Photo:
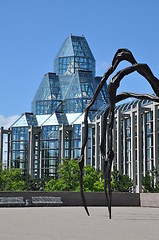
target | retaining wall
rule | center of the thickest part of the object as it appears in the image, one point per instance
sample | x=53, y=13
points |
x=67, y=199
x=149, y=199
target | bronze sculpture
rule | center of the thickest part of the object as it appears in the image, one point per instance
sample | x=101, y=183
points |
x=142, y=69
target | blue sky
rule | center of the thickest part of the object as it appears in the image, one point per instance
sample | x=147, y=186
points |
x=32, y=31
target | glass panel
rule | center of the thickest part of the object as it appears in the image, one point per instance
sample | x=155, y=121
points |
x=19, y=148
x=74, y=54
x=50, y=151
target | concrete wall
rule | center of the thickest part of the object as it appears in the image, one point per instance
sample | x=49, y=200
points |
x=72, y=198
x=149, y=199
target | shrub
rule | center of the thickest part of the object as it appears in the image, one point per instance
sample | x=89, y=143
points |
x=121, y=183
x=149, y=181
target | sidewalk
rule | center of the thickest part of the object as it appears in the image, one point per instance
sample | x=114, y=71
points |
x=71, y=223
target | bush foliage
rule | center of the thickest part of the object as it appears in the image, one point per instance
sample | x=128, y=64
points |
x=150, y=182
x=68, y=180
x=13, y=180
x=121, y=183
x=93, y=181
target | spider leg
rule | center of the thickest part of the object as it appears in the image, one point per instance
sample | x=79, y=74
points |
x=81, y=189
x=121, y=54
x=145, y=71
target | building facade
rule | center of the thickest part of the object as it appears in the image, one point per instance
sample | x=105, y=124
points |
x=38, y=141
x=136, y=139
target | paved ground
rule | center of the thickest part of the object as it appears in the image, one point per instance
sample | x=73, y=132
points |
x=71, y=223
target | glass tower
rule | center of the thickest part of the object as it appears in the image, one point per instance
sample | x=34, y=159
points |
x=73, y=84
x=74, y=54
x=39, y=140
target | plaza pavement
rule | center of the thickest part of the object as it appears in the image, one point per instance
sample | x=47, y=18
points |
x=71, y=223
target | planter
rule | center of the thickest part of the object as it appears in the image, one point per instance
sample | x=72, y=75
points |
x=149, y=199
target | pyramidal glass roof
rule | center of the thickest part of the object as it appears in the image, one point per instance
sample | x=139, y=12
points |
x=27, y=119
x=68, y=93
x=42, y=118
x=72, y=117
x=73, y=84
x=60, y=118
x=21, y=122
x=52, y=120
x=74, y=54
x=48, y=96
x=80, y=119
x=66, y=49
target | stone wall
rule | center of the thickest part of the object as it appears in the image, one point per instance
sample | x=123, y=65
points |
x=66, y=199
x=149, y=199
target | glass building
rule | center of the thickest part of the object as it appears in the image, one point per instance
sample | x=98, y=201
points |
x=39, y=140
x=136, y=139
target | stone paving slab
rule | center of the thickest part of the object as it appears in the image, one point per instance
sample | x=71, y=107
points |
x=71, y=223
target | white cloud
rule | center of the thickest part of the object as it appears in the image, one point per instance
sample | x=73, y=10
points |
x=6, y=122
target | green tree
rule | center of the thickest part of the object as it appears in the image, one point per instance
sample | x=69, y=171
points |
x=14, y=180
x=34, y=184
x=68, y=179
x=99, y=186
x=92, y=179
x=149, y=181
x=11, y=180
x=121, y=183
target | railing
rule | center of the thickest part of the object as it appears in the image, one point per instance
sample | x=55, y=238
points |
x=46, y=200
x=11, y=200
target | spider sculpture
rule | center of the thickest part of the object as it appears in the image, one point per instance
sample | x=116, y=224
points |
x=107, y=157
